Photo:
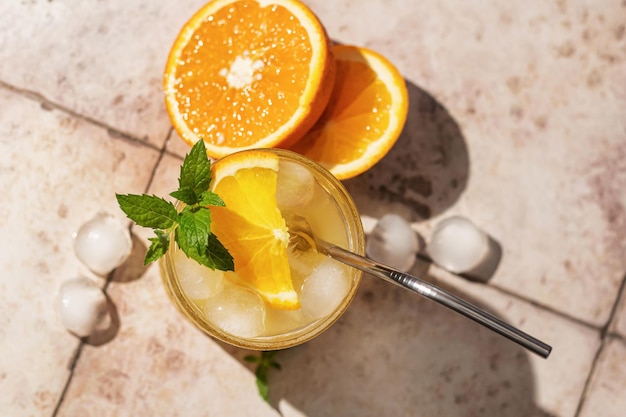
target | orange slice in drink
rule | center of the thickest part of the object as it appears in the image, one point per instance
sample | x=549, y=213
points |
x=251, y=226
x=365, y=115
x=248, y=74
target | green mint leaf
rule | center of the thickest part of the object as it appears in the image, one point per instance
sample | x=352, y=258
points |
x=148, y=210
x=195, y=239
x=264, y=363
x=264, y=390
x=195, y=172
x=194, y=228
x=208, y=198
x=186, y=195
x=216, y=256
x=159, y=246
x=219, y=256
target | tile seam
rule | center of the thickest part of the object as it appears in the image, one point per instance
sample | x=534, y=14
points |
x=68, y=381
x=79, y=348
x=535, y=303
x=605, y=335
x=51, y=105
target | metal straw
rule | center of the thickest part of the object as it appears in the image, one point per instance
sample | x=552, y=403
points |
x=436, y=294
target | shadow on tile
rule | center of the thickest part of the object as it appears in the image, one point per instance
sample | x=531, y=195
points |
x=107, y=332
x=484, y=270
x=133, y=268
x=426, y=170
x=395, y=353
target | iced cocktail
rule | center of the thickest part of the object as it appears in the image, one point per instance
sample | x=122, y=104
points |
x=282, y=292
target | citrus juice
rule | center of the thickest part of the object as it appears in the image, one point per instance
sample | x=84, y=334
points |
x=289, y=201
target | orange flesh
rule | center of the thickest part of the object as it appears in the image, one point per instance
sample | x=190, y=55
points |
x=350, y=110
x=267, y=63
x=253, y=230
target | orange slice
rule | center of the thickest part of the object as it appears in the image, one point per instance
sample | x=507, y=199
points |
x=365, y=115
x=248, y=74
x=251, y=226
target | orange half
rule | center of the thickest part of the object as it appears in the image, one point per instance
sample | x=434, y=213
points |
x=248, y=74
x=365, y=115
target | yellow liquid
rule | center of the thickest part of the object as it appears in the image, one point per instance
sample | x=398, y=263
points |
x=328, y=209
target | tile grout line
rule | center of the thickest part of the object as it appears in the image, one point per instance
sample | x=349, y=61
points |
x=81, y=344
x=545, y=307
x=47, y=104
x=552, y=310
x=77, y=353
x=162, y=152
x=72, y=368
x=51, y=105
x=605, y=334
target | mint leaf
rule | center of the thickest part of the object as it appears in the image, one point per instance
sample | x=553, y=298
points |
x=218, y=255
x=159, y=246
x=192, y=226
x=265, y=362
x=263, y=388
x=195, y=173
x=195, y=227
x=148, y=210
x=185, y=195
x=214, y=256
x=208, y=198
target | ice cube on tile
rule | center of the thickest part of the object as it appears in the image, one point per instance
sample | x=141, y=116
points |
x=295, y=187
x=393, y=242
x=325, y=288
x=198, y=282
x=237, y=310
x=102, y=243
x=369, y=223
x=458, y=245
x=81, y=306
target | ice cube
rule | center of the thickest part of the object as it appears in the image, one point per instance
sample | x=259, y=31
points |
x=198, y=282
x=295, y=186
x=301, y=264
x=393, y=242
x=325, y=288
x=458, y=245
x=237, y=311
x=103, y=243
x=281, y=321
x=81, y=306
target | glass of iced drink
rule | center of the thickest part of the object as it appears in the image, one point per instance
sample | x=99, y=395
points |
x=225, y=305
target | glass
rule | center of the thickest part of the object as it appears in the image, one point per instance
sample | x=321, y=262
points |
x=332, y=215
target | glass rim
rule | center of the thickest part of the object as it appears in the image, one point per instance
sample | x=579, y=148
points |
x=356, y=243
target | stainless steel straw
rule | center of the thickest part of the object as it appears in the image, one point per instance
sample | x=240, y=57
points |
x=436, y=294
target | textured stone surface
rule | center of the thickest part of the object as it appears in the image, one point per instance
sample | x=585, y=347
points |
x=618, y=324
x=516, y=121
x=103, y=60
x=56, y=172
x=605, y=395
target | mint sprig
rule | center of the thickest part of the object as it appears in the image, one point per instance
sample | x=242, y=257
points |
x=192, y=226
x=264, y=363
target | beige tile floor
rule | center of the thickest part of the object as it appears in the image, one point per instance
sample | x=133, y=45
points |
x=516, y=122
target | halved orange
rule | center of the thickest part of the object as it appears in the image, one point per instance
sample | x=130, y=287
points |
x=248, y=74
x=251, y=226
x=365, y=115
